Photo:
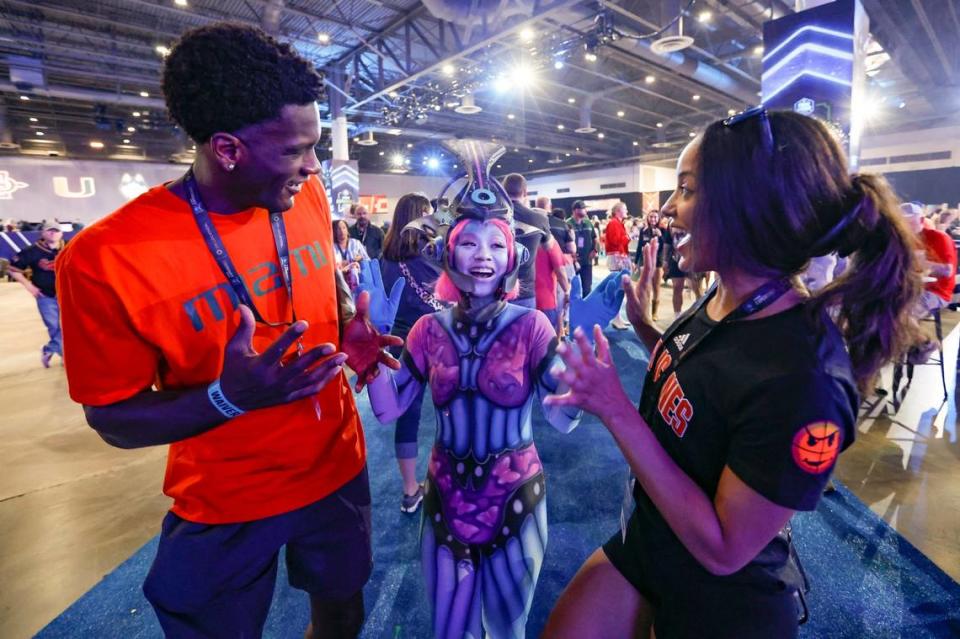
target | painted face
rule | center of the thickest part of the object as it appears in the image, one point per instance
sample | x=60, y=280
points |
x=680, y=206
x=481, y=251
x=279, y=157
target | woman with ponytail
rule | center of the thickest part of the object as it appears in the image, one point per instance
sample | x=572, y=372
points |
x=751, y=394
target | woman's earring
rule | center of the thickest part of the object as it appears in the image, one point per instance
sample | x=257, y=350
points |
x=230, y=167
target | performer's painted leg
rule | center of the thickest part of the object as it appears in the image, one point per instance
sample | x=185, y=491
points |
x=509, y=576
x=453, y=588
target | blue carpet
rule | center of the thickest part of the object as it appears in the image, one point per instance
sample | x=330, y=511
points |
x=867, y=581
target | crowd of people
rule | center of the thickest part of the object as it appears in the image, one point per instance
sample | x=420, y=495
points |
x=229, y=338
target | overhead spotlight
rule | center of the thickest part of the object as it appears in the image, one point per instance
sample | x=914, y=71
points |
x=144, y=94
x=34, y=120
x=516, y=150
x=40, y=134
x=704, y=16
x=731, y=111
x=409, y=145
x=659, y=125
x=380, y=153
x=407, y=161
x=393, y=94
x=126, y=140
x=902, y=104
x=558, y=64
x=398, y=160
x=601, y=135
x=571, y=100
x=501, y=83
x=530, y=161
x=367, y=139
x=162, y=49
x=696, y=97
x=135, y=114
x=635, y=143
x=693, y=134
x=131, y=129
x=452, y=105
x=650, y=79
x=560, y=127
x=526, y=34
x=758, y=50
x=25, y=98
x=394, y=131
x=96, y=144
x=433, y=164
x=567, y=154
x=620, y=114
x=180, y=3
x=590, y=56
x=323, y=38
x=522, y=76
x=437, y=107
x=447, y=69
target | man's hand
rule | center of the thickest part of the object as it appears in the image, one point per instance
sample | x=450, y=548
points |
x=364, y=345
x=256, y=380
x=383, y=308
x=33, y=290
x=599, y=307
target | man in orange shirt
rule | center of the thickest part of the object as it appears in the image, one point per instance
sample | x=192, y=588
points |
x=178, y=312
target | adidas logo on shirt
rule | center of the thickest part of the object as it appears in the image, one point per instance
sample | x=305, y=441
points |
x=680, y=341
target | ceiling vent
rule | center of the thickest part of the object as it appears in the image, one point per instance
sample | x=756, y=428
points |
x=671, y=42
x=367, y=139
x=468, y=106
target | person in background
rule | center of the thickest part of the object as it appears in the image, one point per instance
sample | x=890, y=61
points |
x=402, y=259
x=616, y=243
x=348, y=253
x=566, y=238
x=550, y=272
x=39, y=259
x=368, y=233
x=516, y=187
x=751, y=397
x=939, y=261
x=648, y=232
x=241, y=377
x=586, y=236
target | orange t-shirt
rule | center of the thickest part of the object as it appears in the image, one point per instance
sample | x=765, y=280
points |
x=144, y=303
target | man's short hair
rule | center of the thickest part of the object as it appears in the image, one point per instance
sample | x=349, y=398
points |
x=515, y=185
x=223, y=77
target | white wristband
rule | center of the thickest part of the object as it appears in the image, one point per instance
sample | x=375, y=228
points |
x=220, y=401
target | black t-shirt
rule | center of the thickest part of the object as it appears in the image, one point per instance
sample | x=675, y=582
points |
x=646, y=235
x=371, y=238
x=773, y=398
x=563, y=234
x=39, y=259
x=532, y=242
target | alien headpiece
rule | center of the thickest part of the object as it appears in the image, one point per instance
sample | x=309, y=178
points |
x=481, y=198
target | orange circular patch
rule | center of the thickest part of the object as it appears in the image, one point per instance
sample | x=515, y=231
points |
x=816, y=446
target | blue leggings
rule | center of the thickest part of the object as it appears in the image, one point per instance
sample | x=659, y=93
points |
x=405, y=433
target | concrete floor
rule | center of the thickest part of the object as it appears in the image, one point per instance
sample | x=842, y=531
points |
x=72, y=508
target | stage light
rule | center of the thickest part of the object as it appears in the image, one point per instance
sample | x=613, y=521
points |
x=659, y=125
x=180, y=3
x=590, y=56
x=393, y=94
x=25, y=98
x=696, y=97
x=131, y=129
x=731, y=111
x=869, y=110
x=409, y=145
x=704, y=16
x=529, y=161
x=693, y=134
x=398, y=160
x=433, y=164
x=560, y=127
x=567, y=154
x=571, y=100
x=526, y=34
x=447, y=69
x=902, y=104
x=558, y=64
x=635, y=143
x=144, y=94
x=323, y=38
x=501, y=84
x=163, y=50
x=126, y=140
x=135, y=114
x=758, y=50
x=620, y=114
x=34, y=120
x=650, y=79
x=40, y=134
x=96, y=144
x=601, y=135
x=523, y=76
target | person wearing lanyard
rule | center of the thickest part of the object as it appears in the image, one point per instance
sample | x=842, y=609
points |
x=751, y=395
x=215, y=328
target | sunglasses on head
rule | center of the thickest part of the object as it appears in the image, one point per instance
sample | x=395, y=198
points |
x=754, y=112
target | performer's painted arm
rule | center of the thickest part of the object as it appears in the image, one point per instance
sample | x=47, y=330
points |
x=543, y=347
x=392, y=392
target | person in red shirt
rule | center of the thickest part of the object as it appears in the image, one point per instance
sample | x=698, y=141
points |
x=940, y=255
x=616, y=243
x=178, y=311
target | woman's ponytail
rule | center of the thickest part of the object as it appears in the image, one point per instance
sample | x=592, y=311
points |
x=873, y=300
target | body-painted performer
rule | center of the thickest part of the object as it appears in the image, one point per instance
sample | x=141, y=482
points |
x=486, y=361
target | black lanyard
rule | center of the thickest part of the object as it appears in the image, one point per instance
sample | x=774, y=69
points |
x=219, y=252
x=760, y=299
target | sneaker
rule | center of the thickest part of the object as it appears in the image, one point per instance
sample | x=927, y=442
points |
x=619, y=325
x=45, y=358
x=411, y=503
